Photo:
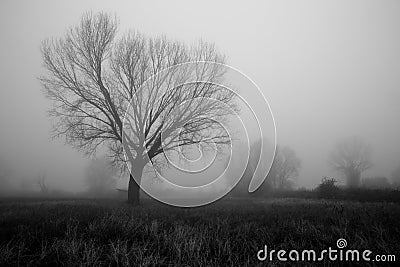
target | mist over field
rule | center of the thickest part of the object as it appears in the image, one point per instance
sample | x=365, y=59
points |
x=328, y=70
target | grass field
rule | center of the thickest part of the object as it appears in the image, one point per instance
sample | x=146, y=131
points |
x=226, y=233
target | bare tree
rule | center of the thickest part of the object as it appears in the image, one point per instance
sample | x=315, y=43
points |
x=351, y=157
x=94, y=79
x=285, y=168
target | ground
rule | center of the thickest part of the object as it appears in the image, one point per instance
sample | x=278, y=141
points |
x=227, y=233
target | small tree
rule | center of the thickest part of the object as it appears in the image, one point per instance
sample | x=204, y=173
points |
x=351, y=157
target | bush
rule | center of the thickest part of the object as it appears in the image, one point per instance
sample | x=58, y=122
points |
x=328, y=188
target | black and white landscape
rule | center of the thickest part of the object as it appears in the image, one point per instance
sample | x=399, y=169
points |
x=208, y=133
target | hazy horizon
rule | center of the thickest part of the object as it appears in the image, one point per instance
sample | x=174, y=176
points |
x=328, y=70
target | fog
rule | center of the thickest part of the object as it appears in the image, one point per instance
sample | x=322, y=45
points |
x=328, y=70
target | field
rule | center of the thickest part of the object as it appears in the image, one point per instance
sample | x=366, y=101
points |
x=227, y=233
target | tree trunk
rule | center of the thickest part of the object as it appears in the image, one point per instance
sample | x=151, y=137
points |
x=134, y=185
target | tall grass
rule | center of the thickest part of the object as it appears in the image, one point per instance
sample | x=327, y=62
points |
x=227, y=233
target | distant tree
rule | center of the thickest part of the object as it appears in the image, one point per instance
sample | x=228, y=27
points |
x=285, y=168
x=351, y=157
x=376, y=183
x=93, y=78
x=100, y=177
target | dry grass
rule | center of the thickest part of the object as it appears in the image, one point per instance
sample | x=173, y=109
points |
x=227, y=233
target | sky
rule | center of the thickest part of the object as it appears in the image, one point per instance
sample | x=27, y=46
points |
x=329, y=69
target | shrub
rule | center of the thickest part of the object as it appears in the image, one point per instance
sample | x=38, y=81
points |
x=328, y=188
